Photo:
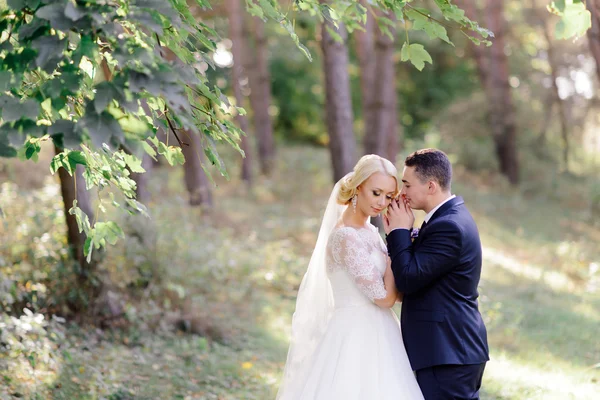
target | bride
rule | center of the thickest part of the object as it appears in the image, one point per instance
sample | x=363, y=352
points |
x=346, y=343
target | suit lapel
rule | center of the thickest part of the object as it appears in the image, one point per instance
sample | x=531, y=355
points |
x=439, y=212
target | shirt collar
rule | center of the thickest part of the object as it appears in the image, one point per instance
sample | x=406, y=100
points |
x=430, y=213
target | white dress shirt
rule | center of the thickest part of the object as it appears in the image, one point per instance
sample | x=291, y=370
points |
x=430, y=213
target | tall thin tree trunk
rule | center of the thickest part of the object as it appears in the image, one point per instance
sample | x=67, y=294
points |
x=542, y=139
x=73, y=188
x=365, y=52
x=593, y=33
x=562, y=112
x=195, y=178
x=338, y=100
x=478, y=52
x=238, y=74
x=260, y=94
x=502, y=112
x=385, y=102
x=394, y=143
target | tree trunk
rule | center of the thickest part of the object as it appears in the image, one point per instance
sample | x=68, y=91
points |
x=478, y=52
x=394, y=144
x=593, y=33
x=564, y=126
x=73, y=188
x=260, y=94
x=196, y=181
x=385, y=101
x=365, y=52
x=338, y=105
x=502, y=112
x=238, y=74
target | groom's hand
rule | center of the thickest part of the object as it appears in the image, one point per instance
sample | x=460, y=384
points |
x=399, y=215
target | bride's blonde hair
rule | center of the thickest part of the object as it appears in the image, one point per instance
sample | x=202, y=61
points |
x=364, y=168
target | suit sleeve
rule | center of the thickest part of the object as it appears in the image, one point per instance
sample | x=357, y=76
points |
x=437, y=254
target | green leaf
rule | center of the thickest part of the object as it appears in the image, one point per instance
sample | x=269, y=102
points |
x=134, y=163
x=433, y=29
x=5, y=78
x=336, y=36
x=575, y=21
x=172, y=154
x=37, y=27
x=50, y=49
x=417, y=14
x=88, y=248
x=73, y=12
x=107, y=232
x=70, y=138
x=149, y=150
x=5, y=148
x=453, y=13
x=86, y=48
x=148, y=20
x=61, y=160
x=417, y=55
x=32, y=148
x=83, y=221
x=13, y=110
x=76, y=157
x=104, y=94
x=132, y=124
x=55, y=13
x=101, y=127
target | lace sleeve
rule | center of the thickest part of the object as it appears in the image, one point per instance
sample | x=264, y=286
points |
x=350, y=252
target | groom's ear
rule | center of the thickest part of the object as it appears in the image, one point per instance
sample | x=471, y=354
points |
x=432, y=187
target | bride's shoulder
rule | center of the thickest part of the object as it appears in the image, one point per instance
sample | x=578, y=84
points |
x=345, y=233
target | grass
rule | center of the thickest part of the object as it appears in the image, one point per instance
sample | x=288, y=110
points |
x=237, y=269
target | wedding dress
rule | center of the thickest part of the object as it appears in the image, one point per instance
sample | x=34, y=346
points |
x=344, y=346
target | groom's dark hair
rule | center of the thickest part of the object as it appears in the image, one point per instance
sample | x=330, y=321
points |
x=431, y=164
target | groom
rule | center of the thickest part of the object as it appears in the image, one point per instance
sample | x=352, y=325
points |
x=443, y=331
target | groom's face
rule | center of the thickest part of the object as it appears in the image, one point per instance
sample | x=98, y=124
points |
x=413, y=189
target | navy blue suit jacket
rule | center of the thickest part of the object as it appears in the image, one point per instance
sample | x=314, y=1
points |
x=438, y=274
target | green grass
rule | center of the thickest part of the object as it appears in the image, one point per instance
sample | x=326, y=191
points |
x=238, y=268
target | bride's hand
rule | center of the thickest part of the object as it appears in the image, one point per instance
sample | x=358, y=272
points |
x=409, y=211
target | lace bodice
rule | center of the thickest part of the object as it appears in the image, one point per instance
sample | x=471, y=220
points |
x=356, y=260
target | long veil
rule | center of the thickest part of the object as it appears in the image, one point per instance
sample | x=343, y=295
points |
x=314, y=306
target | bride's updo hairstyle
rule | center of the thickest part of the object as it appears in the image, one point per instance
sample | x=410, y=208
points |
x=364, y=168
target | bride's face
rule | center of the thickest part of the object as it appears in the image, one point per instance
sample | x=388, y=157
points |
x=376, y=193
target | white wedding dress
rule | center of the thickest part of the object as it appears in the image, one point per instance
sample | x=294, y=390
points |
x=359, y=354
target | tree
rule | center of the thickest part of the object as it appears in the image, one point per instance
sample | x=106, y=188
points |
x=196, y=180
x=375, y=50
x=73, y=191
x=76, y=73
x=385, y=97
x=365, y=52
x=260, y=94
x=502, y=115
x=562, y=111
x=56, y=56
x=238, y=74
x=492, y=68
x=338, y=104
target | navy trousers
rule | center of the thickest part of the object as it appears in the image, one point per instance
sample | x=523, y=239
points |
x=451, y=382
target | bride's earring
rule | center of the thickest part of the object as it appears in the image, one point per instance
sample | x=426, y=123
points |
x=354, y=200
